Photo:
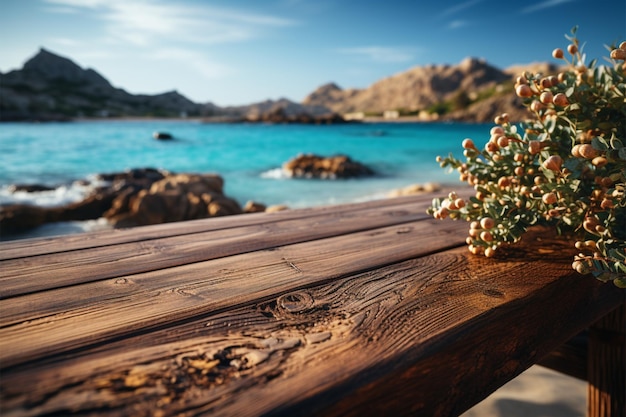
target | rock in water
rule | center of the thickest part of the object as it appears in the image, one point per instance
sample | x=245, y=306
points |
x=314, y=166
x=29, y=188
x=162, y=136
x=16, y=218
x=134, y=198
x=176, y=197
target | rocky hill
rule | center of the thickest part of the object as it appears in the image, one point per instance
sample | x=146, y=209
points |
x=473, y=90
x=280, y=111
x=415, y=89
x=50, y=87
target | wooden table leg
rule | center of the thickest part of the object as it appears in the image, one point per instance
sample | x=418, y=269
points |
x=606, y=395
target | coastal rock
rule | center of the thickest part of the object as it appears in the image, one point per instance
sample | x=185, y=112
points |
x=162, y=136
x=414, y=189
x=133, y=198
x=90, y=208
x=174, y=198
x=16, y=218
x=254, y=207
x=286, y=111
x=29, y=188
x=314, y=166
x=139, y=176
x=281, y=111
x=276, y=208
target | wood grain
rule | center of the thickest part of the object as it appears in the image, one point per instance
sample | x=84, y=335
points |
x=373, y=310
x=606, y=369
x=55, y=270
x=47, y=245
x=120, y=306
x=411, y=338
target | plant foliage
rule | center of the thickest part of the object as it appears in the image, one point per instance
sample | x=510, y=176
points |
x=566, y=167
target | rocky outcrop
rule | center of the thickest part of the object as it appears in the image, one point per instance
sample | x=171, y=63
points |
x=47, y=66
x=545, y=68
x=504, y=101
x=314, y=166
x=484, y=111
x=414, y=189
x=51, y=87
x=333, y=97
x=176, y=197
x=471, y=91
x=16, y=218
x=280, y=111
x=134, y=198
x=162, y=136
x=412, y=90
x=280, y=116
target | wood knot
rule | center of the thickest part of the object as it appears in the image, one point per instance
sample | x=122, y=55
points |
x=295, y=302
x=489, y=292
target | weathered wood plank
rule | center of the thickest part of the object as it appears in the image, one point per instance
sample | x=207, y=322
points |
x=37, y=273
x=41, y=246
x=412, y=338
x=120, y=306
x=606, y=360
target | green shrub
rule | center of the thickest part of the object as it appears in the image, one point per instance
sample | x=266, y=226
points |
x=565, y=168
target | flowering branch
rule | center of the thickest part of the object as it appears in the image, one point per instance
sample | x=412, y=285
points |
x=565, y=168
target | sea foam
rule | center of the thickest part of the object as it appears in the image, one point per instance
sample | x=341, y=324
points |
x=276, y=174
x=59, y=196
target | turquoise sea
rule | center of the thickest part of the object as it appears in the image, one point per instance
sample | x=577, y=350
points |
x=248, y=156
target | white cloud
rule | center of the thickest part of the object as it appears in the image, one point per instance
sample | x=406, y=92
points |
x=460, y=7
x=163, y=37
x=146, y=22
x=544, y=5
x=458, y=23
x=61, y=10
x=76, y=3
x=455, y=24
x=380, y=53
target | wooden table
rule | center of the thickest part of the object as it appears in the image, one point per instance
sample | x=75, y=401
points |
x=352, y=310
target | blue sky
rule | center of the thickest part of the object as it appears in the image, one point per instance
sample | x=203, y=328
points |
x=233, y=52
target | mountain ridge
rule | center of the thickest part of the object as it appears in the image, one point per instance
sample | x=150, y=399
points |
x=416, y=88
x=52, y=87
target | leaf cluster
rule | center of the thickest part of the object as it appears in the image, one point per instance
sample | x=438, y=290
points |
x=565, y=167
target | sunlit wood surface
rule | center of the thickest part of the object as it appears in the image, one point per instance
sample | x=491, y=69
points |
x=352, y=310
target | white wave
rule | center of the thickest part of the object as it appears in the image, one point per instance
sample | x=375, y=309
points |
x=283, y=174
x=276, y=174
x=62, y=195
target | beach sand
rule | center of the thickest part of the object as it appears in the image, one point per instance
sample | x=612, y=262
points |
x=538, y=392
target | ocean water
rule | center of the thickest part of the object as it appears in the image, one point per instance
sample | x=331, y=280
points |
x=248, y=156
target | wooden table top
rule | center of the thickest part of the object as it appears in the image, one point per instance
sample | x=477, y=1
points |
x=360, y=309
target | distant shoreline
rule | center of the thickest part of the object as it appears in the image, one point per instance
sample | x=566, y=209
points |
x=223, y=120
